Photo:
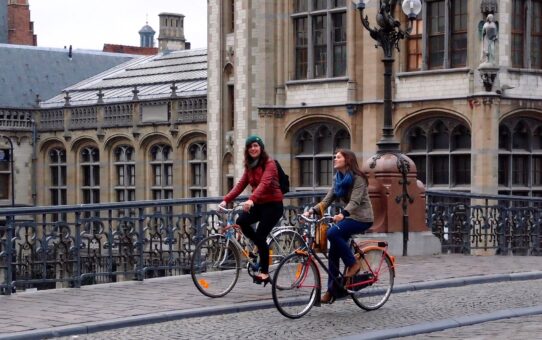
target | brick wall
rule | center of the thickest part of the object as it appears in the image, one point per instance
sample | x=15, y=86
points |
x=20, y=28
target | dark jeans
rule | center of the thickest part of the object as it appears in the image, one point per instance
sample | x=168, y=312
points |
x=339, y=247
x=267, y=214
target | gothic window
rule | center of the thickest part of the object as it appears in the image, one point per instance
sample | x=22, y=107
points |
x=319, y=38
x=445, y=22
x=315, y=146
x=5, y=173
x=90, y=169
x=520, y=157
x=124, y=164
x=440, y=148
x=526, y=46
x=58, y=179
x=162, y=171
x=198, y=169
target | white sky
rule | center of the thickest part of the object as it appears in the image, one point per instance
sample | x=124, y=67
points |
x=89, y=24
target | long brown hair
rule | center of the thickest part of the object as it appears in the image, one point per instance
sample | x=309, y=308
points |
x=263, y=158
x=351, y=162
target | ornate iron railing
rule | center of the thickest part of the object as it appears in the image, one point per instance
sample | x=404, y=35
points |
x=70, y=246
x=504, y=225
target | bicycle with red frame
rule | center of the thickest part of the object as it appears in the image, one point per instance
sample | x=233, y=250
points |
x=296, y=284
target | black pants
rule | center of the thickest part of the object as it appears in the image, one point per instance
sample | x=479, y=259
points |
x=267, y=214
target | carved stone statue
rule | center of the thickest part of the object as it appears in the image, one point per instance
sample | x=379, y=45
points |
x=489, y=38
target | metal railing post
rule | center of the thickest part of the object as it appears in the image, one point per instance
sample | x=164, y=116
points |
x=140, y=244
x=10, y=234
x=77, y=249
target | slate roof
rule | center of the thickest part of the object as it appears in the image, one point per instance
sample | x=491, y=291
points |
x=26, y=71
x=152, y=75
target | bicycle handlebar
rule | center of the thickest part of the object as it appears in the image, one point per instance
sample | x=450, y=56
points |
x=326, y=218
x=228, y=211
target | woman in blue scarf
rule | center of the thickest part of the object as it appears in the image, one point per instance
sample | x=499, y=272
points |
x=350, y=187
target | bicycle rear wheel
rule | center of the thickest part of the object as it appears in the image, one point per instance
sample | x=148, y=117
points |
x=379, y=273
x=215, y=266
x=283, y=243
x=296, y=285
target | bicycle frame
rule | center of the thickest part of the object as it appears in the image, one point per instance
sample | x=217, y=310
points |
x=361, y=248
x=234, y=234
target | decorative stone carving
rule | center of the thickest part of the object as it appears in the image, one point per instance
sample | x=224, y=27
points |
x=489, y=7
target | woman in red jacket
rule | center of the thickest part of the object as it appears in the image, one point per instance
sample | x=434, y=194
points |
x=264, y=204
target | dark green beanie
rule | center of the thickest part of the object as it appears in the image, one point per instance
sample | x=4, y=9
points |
x=252, y=139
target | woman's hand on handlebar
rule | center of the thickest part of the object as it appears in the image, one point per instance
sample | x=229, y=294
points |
x=308, y=213
x=247, y=205
x=337, y=218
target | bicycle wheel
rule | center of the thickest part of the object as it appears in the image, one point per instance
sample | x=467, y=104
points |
x=215, y=266
x=296, y=285
x=283, y=243
x=379, y=270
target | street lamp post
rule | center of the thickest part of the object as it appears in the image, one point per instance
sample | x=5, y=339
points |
x=387, y=34
x=12, y=170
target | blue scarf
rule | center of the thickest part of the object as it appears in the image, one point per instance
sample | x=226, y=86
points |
x=342, y=183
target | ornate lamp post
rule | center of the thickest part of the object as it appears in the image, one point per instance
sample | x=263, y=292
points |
x=387, y=36
x=392, y=176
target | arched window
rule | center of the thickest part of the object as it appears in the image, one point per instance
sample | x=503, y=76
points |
x=315, y=146
x=90, y=170
x=444, y=159
x=198, y=169
x=125, y=173
x=162, y=171
x=58, y=187
x=520, y=157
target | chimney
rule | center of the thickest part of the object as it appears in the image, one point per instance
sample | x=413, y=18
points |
x=171, y=37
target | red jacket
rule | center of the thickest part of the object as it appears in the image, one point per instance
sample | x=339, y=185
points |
x=264, y=183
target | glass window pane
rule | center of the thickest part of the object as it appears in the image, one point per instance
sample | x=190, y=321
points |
x=306, y=172
x=4, y=186
x=339, y=44
x=319, y=25
x=421, y=166
x=537, y=170
x=325, y=172
x=461, y=166
x=440, y=169
x=301, y=48
x=319, y=4
x=520, y=170
x=300, y=5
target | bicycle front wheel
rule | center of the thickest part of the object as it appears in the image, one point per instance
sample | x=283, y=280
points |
x=215, y=266
x=283, y=243
x=379, y=274
x=296, y=285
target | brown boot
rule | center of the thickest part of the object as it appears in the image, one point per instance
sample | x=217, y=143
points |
x=326, y=298
x=353, y=269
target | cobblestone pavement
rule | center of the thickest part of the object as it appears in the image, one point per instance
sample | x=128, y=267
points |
x=109, y=302
x=344, y=318
x=528, y=327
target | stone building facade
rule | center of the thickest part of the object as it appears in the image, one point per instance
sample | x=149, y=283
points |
x=306, y=76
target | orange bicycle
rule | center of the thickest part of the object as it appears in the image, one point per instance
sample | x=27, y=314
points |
x=296, y=284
